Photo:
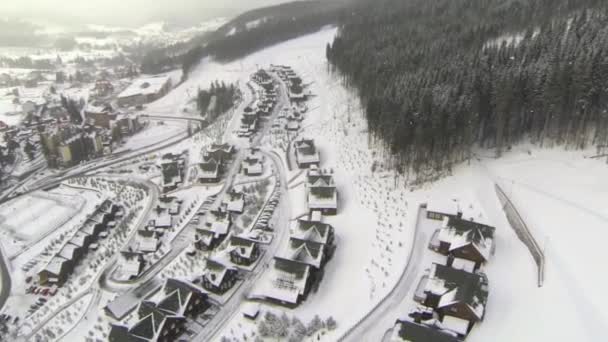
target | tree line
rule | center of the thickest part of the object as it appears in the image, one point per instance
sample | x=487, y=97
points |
x=218, y=99
x=261, y=28
x=438, y=78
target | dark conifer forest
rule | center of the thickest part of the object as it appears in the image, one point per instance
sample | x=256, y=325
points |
x=216, y=100
x=440, y=77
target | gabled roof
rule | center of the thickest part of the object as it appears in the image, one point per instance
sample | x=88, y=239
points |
x=219, y=270
x=294, y=268
x=307, y=252
x=460, y=287
x=173, y=303
x=56, y=265
x=145, y=328
x=69, y=251
x=312, y=231
x=460, y=233
x=216, y=221
x=79, y=238
x=244, y=247
x=183, y=287
x=225, y=147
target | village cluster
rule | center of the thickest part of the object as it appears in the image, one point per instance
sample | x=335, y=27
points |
x=218, y=202
x=452, y=294
x=232, y=230
x=72, y=113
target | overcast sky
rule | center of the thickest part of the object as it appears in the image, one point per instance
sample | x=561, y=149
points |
x=126, y=12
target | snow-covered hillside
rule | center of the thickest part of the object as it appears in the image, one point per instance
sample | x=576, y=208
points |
x=377, y=215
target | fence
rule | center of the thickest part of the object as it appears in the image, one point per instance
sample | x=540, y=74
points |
x=523, y=232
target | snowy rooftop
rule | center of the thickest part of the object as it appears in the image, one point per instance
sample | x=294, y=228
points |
x=459, y=233
x=457, y=286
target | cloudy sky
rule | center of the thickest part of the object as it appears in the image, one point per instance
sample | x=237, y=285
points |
x=126, y=12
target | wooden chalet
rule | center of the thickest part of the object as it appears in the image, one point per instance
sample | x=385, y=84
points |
x=218, y=278
x=243, y=251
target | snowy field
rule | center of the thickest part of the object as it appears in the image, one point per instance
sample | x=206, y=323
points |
x=36, y=214
x=561, y=195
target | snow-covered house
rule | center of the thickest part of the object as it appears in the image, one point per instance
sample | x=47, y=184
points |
x=306, y=252
x=209, y=170
x=213, y=228
x=314, y=231
x=243, y=251
x=234, y=201
x=147, y=244
x=82, y=240
x=71, y=252
x=458, y=297
x=252, y=165
x=144, y=90
x=132, y=264
x=192, y=301
x=406, y=331
x=291, y=282
x=154, y=325
x=464, y=239
x=172, y=168
x=55, y=272
x=306, y=153
x=218, y=278
x=322, y=193
x=221, y=152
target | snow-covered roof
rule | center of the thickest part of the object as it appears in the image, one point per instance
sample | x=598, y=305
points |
x=164, y=220
x=55, y=264
x=306, y=252
x=312, y=231
x=460, y=233
x=215, y=272
x=443, y=206
x=455, y=324
x=69, y=251
x=323, y=198
x=250, y=309
x=147, y=244
x=289, y=281
x=234, y=203
x=79, y=239
x=253, y=168
x=145, y=86
x=463, y=264
x=216, y=221
x=243, y=247
x=457, y=286
x=131, y=267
